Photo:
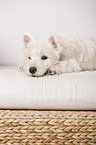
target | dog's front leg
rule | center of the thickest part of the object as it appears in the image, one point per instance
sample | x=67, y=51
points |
x=67, y=66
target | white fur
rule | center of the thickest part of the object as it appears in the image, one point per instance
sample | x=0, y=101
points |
x=64, y=54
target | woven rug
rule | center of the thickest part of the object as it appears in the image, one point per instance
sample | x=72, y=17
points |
x=47, y=127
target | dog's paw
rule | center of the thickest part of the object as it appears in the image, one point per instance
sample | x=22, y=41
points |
x=50, y=72
x=55, y=70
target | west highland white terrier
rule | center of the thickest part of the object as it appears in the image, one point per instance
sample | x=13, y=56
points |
x=58, y=55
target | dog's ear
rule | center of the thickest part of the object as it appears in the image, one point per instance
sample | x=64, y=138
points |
x=52, y=41
x=27, y=39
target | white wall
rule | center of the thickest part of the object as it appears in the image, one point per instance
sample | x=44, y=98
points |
x=42, y=18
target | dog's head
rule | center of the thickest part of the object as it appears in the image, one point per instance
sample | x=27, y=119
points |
x=40, y=56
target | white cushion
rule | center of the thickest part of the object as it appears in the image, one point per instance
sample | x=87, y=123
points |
x=65, y=91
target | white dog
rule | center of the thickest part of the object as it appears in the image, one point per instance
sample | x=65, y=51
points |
x=58, y=55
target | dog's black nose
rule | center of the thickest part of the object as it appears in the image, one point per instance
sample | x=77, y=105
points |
x=32, y=70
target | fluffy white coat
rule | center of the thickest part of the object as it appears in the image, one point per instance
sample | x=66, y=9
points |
x=64, y=55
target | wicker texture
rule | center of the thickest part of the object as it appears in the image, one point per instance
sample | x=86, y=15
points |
x=47, y=127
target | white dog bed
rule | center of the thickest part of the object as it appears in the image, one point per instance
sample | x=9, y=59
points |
x=66, y=91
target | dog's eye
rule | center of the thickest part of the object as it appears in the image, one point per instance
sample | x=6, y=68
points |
x=44, y=57
x=29, y=57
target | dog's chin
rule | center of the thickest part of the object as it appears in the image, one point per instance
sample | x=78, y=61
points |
x=48, y=72
x=38, y=75
x=41, y=75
